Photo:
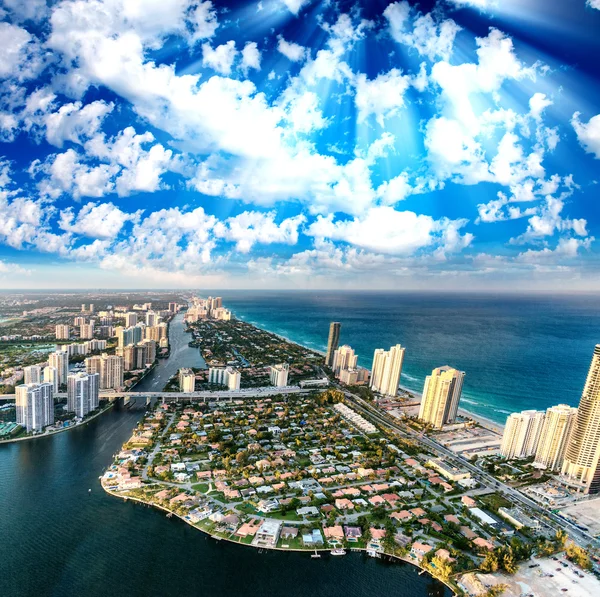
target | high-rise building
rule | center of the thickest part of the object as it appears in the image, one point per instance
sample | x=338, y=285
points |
x=344, y=358
x=173, y=307
x=83, y=309
x=91, y=307
x=79, y=321
x=225, y=376
x=187, y=381
x=110, y=369
x=581, y=466
x=354, y=377
x=150, y=351
x=34, y=406
x=387, y=368
x=83, y=393
x=556, y=432
x=333, y=342
x=152, y=318
x=129, y=335
x=51, y=377
x=63, y=332
x=279, y=375
x=60, y=360
x=86, y=331
x=32, y=374
x=521, y=434
x=131, y=319
x=441, y=395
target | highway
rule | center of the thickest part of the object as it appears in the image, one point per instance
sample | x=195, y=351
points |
x=480, y=475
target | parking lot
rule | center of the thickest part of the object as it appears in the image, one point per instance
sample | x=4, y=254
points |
x=549, y=579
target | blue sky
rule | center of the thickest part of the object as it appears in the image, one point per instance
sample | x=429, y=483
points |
x=300, y=144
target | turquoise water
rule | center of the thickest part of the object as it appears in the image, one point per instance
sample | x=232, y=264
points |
x=518, y=352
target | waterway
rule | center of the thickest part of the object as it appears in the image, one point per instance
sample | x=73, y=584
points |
x=58, y=539
x=181, y=355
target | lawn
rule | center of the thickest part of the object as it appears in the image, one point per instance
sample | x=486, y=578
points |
x=201, y=487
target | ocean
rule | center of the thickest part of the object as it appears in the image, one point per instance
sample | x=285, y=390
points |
x=518, y=351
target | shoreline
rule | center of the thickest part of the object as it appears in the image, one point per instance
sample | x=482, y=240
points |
x=275, y=549
x=57, y=431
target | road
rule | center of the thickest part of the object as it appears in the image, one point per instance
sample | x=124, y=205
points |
x=483, y=476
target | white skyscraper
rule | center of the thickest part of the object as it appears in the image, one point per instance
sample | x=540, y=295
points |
x=34, y=406
x=32, y=374
x=51, y=377
x=63, y=332
x=555, y=436
x=152, y=318
x=581, y=466
x=86, y=331
x=187, y=381
x=60, y=360
x=82, y=393
x=131, y=319
x=225, y=376
x=387, y=368
x=279, y=375
x=522, y=433
x=344, y=358
x=441, y=395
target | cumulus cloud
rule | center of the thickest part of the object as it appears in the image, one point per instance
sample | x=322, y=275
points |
x=588, y=133
x=294, y=6
x=75, y=122
x=593, y=4
x=421, y=32
x=292, y=51
x=95, y=220
x=250, y=57
x=382, y=96
x=21, y=56
x=386, y=230
x=249, y=228
x=220, y=58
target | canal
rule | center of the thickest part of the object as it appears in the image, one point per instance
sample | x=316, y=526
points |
x=59, y=539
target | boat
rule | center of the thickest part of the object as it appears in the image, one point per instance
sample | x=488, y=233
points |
x=338, y=552
x=89, y=491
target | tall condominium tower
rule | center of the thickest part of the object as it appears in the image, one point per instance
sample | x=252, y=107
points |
x=51, y=377
x=522, y=434
x=82, y=393
x=279, y=375
x=34, y=406
x=556, y=432
x=86, y=331
x=441, y=395
x=32, y=374
x=332, y=342
x=581, y=464
x=131, y=319
x=109, y=367
x=387, y=367
x=344, y=358
x=63, y=332
x=60, y=360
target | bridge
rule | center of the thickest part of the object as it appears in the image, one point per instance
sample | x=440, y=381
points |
x=188, y=396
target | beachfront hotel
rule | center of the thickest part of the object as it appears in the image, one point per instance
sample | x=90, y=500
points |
x=387, y=368
x=34, y=406
x=441, y=395
x=581, y=467
x=554, y=438
x=522, y=434
x=332, y=342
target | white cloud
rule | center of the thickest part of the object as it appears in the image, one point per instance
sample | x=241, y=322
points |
x=422, y=32
x=294, y=6
x=292, y=51
x=95, y=220
x=474, y=3
x=250, y=57
x=537, y=104
x=567, y=248
x=220, y=58
x=588, y=134
x=302, y=110
x=20, y=54
x=386, y=230
x=249, y=228
x=203, y=22
x=594, y=4
x=74, y=122
x=382, y=96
